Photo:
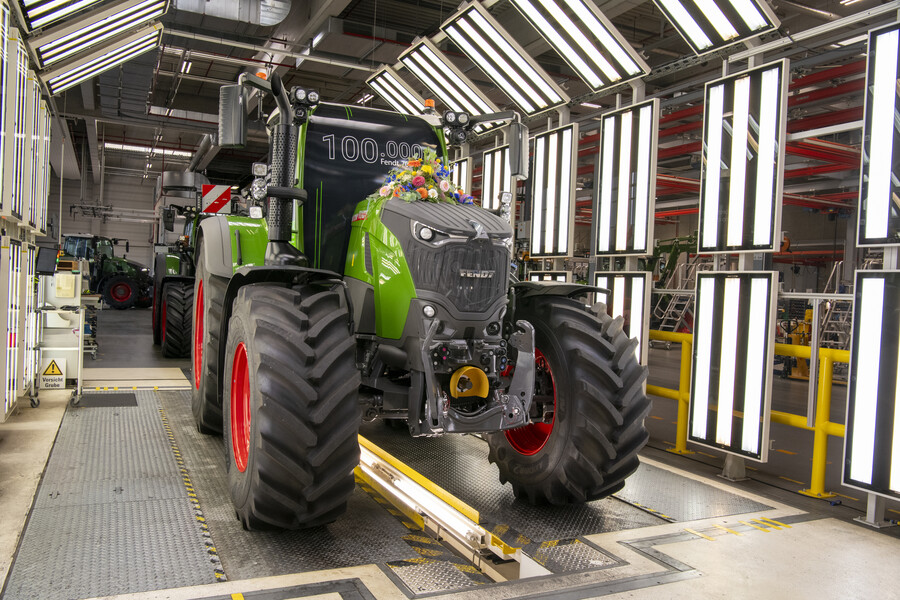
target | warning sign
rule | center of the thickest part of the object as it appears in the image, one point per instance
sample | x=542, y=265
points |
x=53, y=374
x=216, y=198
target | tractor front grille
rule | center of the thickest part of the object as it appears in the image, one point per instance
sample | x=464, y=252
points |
x=471, y=274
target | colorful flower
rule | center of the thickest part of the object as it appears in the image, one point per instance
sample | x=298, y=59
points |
x=418, y=181
x=427, y=170
x=422, y=192
x=432, y=193
x=445, y=185
x=384, y=191
x=414, y=162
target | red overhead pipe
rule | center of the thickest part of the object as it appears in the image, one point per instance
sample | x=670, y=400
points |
x=828, y=92
x=681, y=114
x=817, y=170
x=829, y=118
x=852, y=68
x=679, y=150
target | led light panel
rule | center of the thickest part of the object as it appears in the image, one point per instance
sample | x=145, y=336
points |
x=731, y=385
x=495, y=177
x=743, y=161
x=30, y=317
x=91, y=65
x=560, y=276
x=879, y=207
x=708, y=25
x=503, y=60
x=585, y=39
x=41, y=13
x=16, y=146
x=553, y=192
x=10, y=295
x=627, y=175
x=105, y=24
x=32, y=152
x=393, y=90
x=6, y=93
x=461, y=176
x=629, y=297
x=454, y=89
x=872, y=441
x=44, y=183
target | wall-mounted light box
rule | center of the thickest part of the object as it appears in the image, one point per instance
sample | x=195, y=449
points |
x=558, y=276
x=17, y=145
x=872, y=441
x=553, y=192
x=72, y=38
x=879, y=206
x=743, y=160
x=393, y=90
x=626, y=171
x=629, y=296
x=73, y=73
x=461, y=175
x=454, y=89
x=585, y=39
x=495, y=176
x=706, y=25
x=5, y=95
x=731, y=383
x=503, y=60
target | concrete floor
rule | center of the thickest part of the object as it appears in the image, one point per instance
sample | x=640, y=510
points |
x=823, y=554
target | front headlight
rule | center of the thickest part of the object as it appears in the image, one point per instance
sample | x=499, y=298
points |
x=258, y=189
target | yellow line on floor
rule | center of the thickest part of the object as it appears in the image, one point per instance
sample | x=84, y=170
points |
x=668, y=443
x=712, y=539
x=766, y=523
x=752, y=468
x=237, y=596
x=894, y=511
x=753, y=526
x=791, y=480
x=655, y=417
x=707, y=454
x=847, y=497
x=785, y=451
x=723, y=528
x=774, y=522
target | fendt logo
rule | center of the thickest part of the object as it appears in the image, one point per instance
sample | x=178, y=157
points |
x=476, y=274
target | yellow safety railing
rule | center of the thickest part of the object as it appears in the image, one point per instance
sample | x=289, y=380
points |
x=822, y=427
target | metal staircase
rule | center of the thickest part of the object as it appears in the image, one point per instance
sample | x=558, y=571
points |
x=837, y=324
x=675, y=309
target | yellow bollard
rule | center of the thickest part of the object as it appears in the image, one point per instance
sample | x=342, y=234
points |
x=684, y=397
x=820, y=440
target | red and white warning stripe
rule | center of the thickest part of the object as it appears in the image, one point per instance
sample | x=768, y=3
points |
x=216, y=198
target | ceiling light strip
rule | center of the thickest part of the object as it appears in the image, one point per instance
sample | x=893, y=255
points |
x=507, y=64
x=390, y=87
x=707, y=25
x=72, y=41
x=585, y=39
x=40, y=14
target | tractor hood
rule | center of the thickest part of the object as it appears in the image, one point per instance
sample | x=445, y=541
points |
x=453, y=220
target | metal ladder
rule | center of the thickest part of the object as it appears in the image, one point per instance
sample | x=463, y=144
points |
x=681, y=302
x=838, y=321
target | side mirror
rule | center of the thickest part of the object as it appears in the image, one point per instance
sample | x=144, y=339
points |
x=232, y=116
x=168, y=217
x=518, y=150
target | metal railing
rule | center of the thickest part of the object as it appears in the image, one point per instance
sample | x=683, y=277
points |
x=822, y=427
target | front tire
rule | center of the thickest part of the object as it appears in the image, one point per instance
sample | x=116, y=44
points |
x=589, y=378
x=177, y=309
x=209, y=295
x=120, y=292
x=291, y=407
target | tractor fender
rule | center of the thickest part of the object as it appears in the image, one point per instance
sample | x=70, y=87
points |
x=282, y=276
x=528, y=289
x=216, y=246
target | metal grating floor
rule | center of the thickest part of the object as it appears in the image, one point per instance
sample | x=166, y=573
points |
x=112, y=515
x=366, y=534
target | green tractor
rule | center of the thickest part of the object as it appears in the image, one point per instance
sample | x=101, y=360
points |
x=173, y=287
x=332, y=311
x=122, y=283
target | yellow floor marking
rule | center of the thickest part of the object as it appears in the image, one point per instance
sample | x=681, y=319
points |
x=785, y=451
x=894, y=511
x=773, y=521
x=723, y=528
x=674, y=423
x=237, y=596
x=752, y=468
x=706, y=454
x=766, y=523
x=668, y=443
x=655, y=417
x=712, y=539
x=754, y=526
x=791, y=480
x=847, y=497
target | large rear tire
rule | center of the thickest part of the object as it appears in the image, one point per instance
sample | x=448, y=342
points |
x=291, y=407
x=120, y=292
x=177, y=310
x=209, y=295
x=159, y=268
x=589, y=385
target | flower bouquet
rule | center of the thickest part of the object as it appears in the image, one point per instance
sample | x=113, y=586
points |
x=424, y=179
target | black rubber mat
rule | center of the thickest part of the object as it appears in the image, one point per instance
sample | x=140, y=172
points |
x=107, y=400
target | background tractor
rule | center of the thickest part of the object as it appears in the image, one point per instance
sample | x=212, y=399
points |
x=123, y=283
x=333, y=310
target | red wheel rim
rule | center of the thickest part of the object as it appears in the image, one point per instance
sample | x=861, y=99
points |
x=240, y=407
x=165, y=307
x=198, y=334
x=121, y=292
x=529, y=440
